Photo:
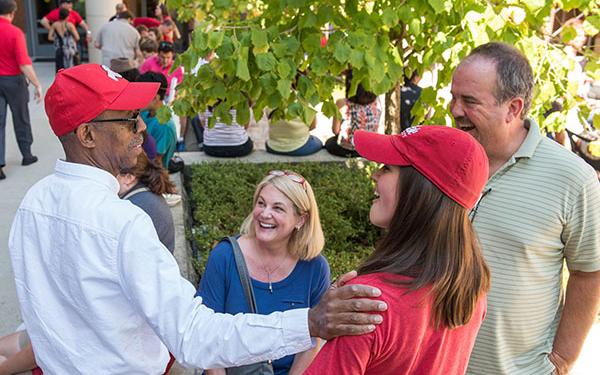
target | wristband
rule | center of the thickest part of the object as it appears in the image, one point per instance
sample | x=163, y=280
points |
x=89, y=31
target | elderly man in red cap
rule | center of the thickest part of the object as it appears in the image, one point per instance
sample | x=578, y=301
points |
x=99, y=293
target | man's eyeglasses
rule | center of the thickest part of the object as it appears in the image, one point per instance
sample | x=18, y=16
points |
x=133, y=120
x=291, y=175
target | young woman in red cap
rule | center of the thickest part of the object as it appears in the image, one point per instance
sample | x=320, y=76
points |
x=428, y=265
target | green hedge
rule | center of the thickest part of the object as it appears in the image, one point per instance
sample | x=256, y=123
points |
x=221, y=197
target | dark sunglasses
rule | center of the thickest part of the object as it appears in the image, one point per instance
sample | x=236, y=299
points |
x=133, y=120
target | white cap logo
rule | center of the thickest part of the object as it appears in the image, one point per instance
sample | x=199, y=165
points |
x=409, y=131
x=112, y=75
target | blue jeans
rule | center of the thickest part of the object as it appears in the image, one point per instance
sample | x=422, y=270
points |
x=312, y=145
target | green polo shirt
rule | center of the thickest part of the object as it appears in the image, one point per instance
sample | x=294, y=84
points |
x=540, y=208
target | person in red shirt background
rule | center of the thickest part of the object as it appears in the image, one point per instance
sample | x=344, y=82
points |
x=74, y=17
x=429, y=265
x=15, y=70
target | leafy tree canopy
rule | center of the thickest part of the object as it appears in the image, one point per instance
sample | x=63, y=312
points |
x=269, y=53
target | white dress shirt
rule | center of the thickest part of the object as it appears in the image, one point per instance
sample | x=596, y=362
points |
x=100, y=294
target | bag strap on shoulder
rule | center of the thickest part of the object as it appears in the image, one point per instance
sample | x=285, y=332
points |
x=244, y=274
x=135, y=191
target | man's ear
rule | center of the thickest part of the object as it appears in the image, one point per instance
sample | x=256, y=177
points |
x=86, y=136
x=515, y=108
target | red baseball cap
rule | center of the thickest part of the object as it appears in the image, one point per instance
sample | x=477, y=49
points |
x=79, y=94
x=450, y=158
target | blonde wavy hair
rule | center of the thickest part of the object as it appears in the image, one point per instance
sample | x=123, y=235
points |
x=307, y=242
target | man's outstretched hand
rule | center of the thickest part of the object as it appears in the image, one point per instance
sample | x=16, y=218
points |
x=342, y=311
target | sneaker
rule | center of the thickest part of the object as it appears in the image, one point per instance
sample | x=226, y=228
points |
x=172, y=199
x=180, y=146
x=2, y=175
x=29, y=160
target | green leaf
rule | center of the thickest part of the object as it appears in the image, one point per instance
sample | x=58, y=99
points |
x=569, y=33
x=390, y=17
x=307, y=20
x=259, y=38
x=318, y=66
x=268, y=83
x=308, y=114
x=266, y=61
x=305, y=87
x=342, y=52
x=437, y=5
x=312, y=42
x=284, y=88
x=200, y=40
x=295, y=110
x=356, y=59
x=215, y=39
x=163, y=114
x=329, y=109
x=596, y=121
x=283, y=68
x=241, y=70
x=292, y=44
x=242, y=113
x=415, y=26
x=594, y=20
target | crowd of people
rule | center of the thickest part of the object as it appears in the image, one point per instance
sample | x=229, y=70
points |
x=477, y=223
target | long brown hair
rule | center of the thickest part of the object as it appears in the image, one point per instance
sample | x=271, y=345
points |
x=152, y=175
x=431, y=239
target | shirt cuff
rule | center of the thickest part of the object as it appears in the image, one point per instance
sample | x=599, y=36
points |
x=295, y=330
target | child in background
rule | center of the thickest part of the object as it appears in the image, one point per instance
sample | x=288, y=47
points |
x=164, y=134
x=149, y=48
x=360, y=112
x=225, y=140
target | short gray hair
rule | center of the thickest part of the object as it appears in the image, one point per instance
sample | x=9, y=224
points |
x=514, y=76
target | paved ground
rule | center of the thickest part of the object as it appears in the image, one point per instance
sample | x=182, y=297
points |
x=18, y=180
x=48, y=149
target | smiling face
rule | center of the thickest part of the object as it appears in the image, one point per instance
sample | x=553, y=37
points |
x=386, y=192
x=275, y=216
x=474, y=106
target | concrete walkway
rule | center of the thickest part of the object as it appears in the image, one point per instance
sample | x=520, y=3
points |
x=48, y=149
x=18, y=180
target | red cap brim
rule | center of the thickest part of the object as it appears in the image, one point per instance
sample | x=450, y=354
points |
x=378, y=148
x=136, y=95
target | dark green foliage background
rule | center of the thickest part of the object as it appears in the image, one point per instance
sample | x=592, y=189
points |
x=221, y=197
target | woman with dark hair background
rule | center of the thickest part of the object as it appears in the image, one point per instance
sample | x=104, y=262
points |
x=65, y=37
x=360, y=111
x=428, y=265
x=144, y=185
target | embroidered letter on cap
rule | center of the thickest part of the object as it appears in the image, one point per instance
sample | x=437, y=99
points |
x=112, y=75
x=409, y=131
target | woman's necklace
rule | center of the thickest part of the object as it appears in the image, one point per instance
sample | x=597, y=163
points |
x=269, y=273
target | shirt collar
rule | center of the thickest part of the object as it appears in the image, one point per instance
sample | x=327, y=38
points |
x=530, y=143
x=2, y=19
x=88, y=172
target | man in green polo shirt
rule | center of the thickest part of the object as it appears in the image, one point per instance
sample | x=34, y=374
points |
x=540, y=207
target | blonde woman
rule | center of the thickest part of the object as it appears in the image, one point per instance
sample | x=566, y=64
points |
x=281, y=243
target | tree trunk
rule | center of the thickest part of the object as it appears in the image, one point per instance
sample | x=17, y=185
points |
x=392, y=110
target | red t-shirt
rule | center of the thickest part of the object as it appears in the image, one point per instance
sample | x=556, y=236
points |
x=13, y=49
x=74, y=17
x=405, y=343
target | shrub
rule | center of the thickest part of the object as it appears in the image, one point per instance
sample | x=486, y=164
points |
x=221, y=197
